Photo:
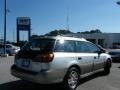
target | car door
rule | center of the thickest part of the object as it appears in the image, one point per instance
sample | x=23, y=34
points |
x=98, y=58
x=84, y=57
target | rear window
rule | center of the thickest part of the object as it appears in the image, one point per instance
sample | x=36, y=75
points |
x=42, y=45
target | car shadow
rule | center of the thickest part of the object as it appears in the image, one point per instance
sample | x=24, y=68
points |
x=90, y=77
x=115, y=61
x=24, y=85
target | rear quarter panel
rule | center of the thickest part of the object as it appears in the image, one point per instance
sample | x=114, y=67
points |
x=61, y=62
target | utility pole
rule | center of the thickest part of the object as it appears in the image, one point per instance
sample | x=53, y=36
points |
x=67, y=26
x=5, y=27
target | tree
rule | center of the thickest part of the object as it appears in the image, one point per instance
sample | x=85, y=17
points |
x=95, y=31
x=33, y=36
x=58, y=32
x=91, y=31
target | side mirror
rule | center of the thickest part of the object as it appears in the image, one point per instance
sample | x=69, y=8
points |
x=102, y=50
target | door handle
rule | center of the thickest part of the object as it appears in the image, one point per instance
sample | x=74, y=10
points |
x=79, y=58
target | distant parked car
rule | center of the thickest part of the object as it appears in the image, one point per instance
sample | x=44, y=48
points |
x=115, y=54
x=10, y=49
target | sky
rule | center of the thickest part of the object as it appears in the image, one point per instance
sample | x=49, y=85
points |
x=49, y=15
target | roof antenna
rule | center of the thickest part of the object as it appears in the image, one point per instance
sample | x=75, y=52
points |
x=67, y=18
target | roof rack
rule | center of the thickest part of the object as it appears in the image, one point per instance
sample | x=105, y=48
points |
x=60, y=35
x=70, y=36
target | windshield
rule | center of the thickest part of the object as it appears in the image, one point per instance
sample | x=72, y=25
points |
x=42, y=45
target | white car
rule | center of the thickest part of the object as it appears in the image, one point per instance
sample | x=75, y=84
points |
x=47, y=60
x=10, y=49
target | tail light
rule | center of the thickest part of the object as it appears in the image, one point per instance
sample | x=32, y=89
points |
x=44, y=58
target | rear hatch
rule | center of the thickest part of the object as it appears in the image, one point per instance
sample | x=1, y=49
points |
x=35, y=55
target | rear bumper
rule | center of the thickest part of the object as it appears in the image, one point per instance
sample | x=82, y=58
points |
x=43, y=77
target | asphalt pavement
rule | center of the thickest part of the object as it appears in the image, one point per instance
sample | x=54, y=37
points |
x=96, y=81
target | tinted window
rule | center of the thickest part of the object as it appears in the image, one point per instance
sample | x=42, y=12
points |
x=86, y=47
x=65, y=46
x=82, y=47
x=93, y=48
x=43, y=45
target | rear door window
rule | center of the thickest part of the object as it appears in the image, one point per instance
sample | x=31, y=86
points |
x=65, y=46
x=82, y=47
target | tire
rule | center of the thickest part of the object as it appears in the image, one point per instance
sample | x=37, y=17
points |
x=71, y=79
x=107, y=67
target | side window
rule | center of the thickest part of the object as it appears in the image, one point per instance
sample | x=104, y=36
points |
x=93, y=48
x=82, y=47
x=86, y=47
x=8, y=46
x=65, y=46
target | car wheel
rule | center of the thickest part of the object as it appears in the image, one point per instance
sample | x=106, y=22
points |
x=107, y=67
x=71, y=79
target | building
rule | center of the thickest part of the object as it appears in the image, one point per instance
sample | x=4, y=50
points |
x=107, y=40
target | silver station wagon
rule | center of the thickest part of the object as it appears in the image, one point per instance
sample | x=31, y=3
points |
x=47, y=60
